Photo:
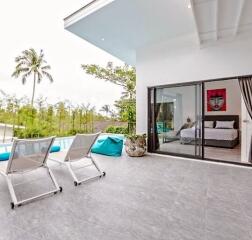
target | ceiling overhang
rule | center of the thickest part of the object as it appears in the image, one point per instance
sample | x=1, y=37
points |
x=121, y=27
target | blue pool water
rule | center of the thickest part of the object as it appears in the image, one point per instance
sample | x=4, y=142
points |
x=63, y=142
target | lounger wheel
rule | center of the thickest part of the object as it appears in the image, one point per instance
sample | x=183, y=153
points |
x=60, y=190
x=12, y=205
x=77, y=183
x=103, y=174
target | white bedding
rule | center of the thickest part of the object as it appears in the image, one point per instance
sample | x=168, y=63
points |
x=211, y=133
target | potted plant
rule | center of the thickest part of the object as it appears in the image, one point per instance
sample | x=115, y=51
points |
x=135, y=145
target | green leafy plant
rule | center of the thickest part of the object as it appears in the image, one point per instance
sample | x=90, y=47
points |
x=135, y=137
x=124, y=76
x=117, y=130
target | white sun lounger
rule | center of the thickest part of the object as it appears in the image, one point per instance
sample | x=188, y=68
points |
x=26, y=156
x=79, y=151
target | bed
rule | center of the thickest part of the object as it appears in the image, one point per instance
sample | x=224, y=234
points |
x=216, y=137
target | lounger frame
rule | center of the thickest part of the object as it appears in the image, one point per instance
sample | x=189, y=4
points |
x=67, y=161
x=9, y=172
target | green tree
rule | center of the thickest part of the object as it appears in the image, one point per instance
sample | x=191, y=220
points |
x=61, y=114
x=124, y=76
x=44, y=120
x=88, y=118
x=31, y=63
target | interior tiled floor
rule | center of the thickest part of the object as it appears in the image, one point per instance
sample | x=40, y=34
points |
x=149, y=198
x=217, y=153
x=225, y=154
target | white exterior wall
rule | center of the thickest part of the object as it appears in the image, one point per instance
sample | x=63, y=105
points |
x=184, y=61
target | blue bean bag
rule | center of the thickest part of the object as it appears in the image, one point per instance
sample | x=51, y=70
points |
x=108, y=145
x=4, y=156
x=55, y=149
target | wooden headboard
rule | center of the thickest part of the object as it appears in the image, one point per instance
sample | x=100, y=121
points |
x=223, y=118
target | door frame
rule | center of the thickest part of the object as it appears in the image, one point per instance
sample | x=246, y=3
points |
x=202, y=82
x=151, y=118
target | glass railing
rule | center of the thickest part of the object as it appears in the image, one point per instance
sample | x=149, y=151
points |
x=63, y=142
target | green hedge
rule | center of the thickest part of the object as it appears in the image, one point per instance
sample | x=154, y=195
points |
x=29, y=133
x=117, y=130
x=40, y=132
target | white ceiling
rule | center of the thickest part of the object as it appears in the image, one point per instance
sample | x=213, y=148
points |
x=126, y=25
x=218, y=19
x=122, y=26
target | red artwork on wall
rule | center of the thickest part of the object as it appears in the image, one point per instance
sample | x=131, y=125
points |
x=216, y=100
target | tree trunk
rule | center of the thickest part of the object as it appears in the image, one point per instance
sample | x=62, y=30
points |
x=59, y=123
x=33, y=91
x=80, y=115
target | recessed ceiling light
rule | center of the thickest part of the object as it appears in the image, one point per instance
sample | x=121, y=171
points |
x=189, y=6
x=103, y=39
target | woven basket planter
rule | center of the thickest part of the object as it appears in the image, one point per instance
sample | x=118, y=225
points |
x=135, y=146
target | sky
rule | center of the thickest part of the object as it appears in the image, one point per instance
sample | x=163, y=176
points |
x=39, y=24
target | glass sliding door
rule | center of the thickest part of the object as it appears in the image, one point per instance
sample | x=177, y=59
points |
x=175, y=120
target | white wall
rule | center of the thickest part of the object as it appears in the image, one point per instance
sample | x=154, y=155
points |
x=184, y=61
x=184, y=104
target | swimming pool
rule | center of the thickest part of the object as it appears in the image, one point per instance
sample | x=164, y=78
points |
x=63, y=142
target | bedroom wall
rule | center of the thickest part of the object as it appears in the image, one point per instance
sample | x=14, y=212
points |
x=177, y=61
x=233, y=97
x=184, y=107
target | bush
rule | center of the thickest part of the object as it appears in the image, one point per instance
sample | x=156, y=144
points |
x=72, y=132
x=31, y=132
x=117, y=130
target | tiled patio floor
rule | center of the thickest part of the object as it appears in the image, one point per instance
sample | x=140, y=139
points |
x=150, y=198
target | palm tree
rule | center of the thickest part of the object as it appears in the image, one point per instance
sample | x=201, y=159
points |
x=106, y=109
x=32, y=63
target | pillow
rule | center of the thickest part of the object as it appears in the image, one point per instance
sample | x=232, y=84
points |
x=55, y=149
x=4, y=156
x=209, y=124
x=225, y=124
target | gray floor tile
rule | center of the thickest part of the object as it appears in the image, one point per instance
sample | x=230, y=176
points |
x=227, y=227
x=184, y=230
x=222, y=235
x=158, y=198
x=230, y=207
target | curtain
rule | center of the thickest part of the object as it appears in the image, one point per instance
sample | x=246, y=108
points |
x=157, y=109
x=246, y=90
